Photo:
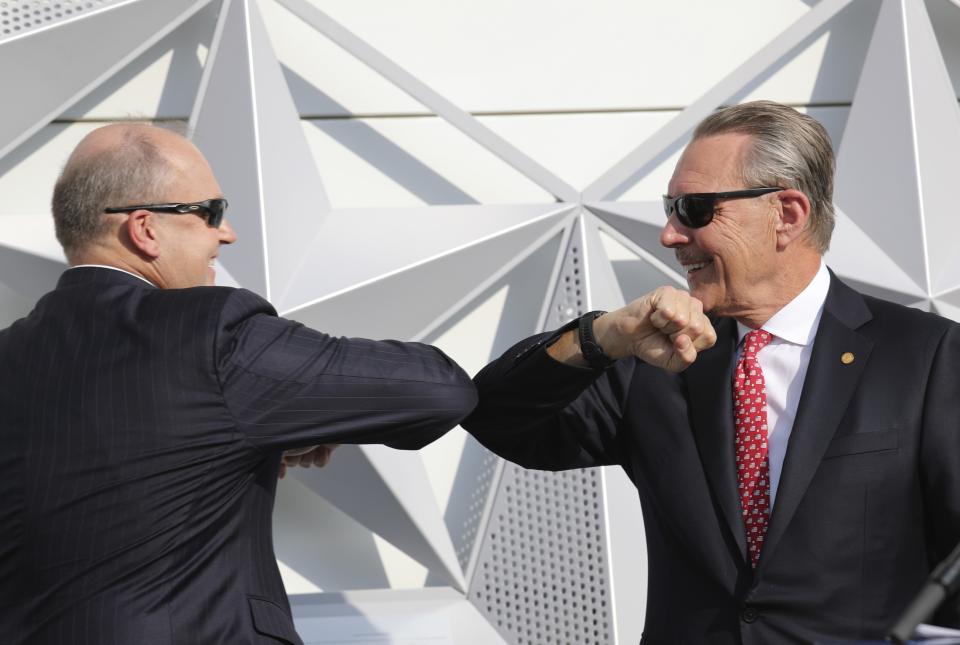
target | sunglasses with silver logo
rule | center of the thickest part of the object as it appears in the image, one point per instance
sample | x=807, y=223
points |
x=211, y=210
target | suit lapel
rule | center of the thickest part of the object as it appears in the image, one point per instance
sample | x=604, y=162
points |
x=711, y=415
x=827, y=389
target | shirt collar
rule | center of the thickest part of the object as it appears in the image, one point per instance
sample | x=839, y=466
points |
x=797, y=321
x=106, y=266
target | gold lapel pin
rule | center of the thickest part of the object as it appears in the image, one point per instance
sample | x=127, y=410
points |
x=846, y=358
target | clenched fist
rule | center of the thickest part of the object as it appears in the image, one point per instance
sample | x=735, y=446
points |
x=666, y=328
x=306, y=457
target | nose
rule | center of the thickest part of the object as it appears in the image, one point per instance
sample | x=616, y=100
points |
x=226, y=232
x=674, y=234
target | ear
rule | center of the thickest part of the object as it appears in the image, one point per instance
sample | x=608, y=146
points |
x=141, y=227
x=793, y=218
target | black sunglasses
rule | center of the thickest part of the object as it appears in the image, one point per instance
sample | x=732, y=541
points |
x=211, y=210
x=695, y=210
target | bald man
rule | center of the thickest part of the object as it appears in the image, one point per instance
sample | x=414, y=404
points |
x=145, y=412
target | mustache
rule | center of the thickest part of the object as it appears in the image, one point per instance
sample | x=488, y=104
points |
x=691, y=257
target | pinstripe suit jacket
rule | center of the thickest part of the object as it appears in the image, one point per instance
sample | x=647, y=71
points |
x=140, y=437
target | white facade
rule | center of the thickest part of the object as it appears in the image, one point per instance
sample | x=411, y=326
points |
x=451, y=160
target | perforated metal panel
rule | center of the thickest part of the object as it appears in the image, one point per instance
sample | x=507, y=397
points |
x=568, y=296
x=20, y=16
x=464, y=531
x=541, y=574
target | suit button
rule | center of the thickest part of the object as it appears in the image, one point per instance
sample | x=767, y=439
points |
x=749, y=614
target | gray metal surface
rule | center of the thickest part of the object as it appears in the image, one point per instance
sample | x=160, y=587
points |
x=258, y=152
x=134, y=26
x=542, y=575
x=388, y=492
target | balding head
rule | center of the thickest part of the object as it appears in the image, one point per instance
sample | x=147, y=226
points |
x=116, y=165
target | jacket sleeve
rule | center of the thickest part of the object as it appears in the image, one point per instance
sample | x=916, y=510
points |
x=540, y=413
x=288, y=386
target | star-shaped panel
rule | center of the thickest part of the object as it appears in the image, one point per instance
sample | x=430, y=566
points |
x=436, y=265
x=896, y=167
x=258, y=151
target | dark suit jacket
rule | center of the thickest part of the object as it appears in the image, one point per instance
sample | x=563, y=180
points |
x=869, y=496
x=140, y=438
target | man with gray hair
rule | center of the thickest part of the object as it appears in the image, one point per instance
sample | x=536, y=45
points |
x=800, y=477
x=144, y=414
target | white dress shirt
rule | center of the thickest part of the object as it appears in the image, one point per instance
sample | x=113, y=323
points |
x=784, y=363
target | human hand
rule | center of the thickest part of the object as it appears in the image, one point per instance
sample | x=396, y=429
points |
x=306, y=457
x=666, y=328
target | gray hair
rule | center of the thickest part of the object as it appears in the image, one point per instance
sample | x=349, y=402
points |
x=134, y=172
x=788, y=149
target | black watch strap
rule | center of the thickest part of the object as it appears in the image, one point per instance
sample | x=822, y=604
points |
x=589, y=347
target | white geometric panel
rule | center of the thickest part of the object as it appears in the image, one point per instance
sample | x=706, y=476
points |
x=542, y=573
x=642, y=223
x=424, y=273
x=475, y=468
x=51, y=83
x=302, y=520
x=385, y=307
x=28, y=274
x=637, y=272
x=258, y=151
x=397, y=240
x=602, y=289
x=937, y=131
x=948, y=305
x=627, y=556
x=387, y=491
x=854, y=254
x=420, y=91
x=615, y=181
x=910, y=170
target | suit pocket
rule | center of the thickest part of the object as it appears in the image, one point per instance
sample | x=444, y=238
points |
x=862, y=442
x=270, y=619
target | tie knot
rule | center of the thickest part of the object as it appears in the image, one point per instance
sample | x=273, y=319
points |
x=756, y=340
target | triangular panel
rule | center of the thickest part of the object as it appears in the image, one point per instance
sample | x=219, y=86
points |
x=627, y=553
x=398, y=239
x=586, y=279
x=259, y=153
x=13, y=305
x=937, y=128
x=50, y=69
x=855, y=255
x=641, y=222
x=439, y=105
x=603, y=290
x=656, y=148
x=949, y=310
x=27, y=274
x=403, y=304
x=568, y=300
x=636, y=275
x=303, y=520
x=477, y=467
x=877, y=181
x=388, y=492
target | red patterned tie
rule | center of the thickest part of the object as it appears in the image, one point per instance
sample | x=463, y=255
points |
x=750, y=419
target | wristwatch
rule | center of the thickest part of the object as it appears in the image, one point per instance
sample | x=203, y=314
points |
x=589, y=347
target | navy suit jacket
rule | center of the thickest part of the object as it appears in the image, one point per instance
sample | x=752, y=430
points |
x=868, y=500
x=140, y=438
